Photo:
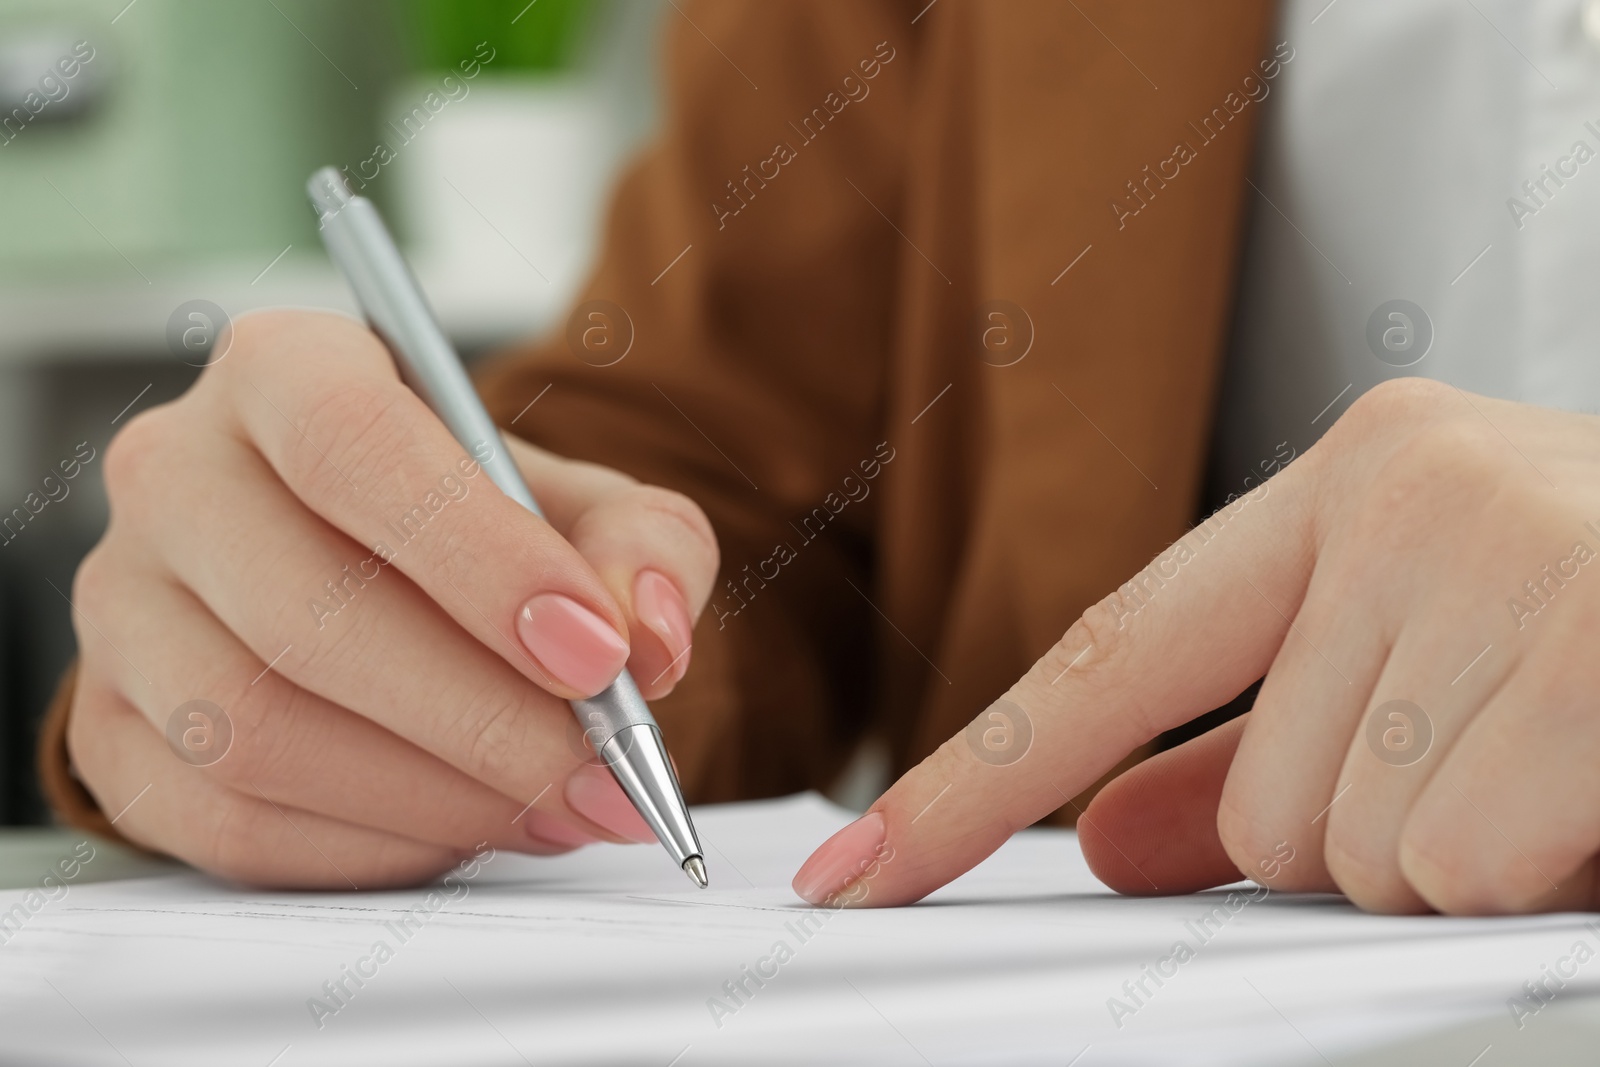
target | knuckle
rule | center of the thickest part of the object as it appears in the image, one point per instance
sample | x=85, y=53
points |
x=1366, y=870
x=232, y=847
x=260, y=336
x=1445, y=464
x=1099, y=634
x=1384, y=417
x=135, y=456
x=1395, y=400
x=1093, y=646
x=1444, y=451
x=269, y=737
x=1437, y=872
x=497, y=732
x=1241, y=836
x=674, y=507
x=103, y=591
x=336, y=648
x=1462, y=877
x=1259, y=849
x=361, y=431
x=250, y=352
x=94, y=581
x=1386, y=420
x=85, y=733
x=1088, y=657
x=452, y=550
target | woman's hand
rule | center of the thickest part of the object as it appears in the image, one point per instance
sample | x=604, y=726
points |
x=1421, y=591
x=299, y=545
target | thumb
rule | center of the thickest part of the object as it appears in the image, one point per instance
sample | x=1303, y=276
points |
x=1195, y=627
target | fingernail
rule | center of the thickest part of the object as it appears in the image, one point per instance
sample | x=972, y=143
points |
x=840, y=859
x=553, y=831
x=661, y=609
x=578, y=647
x=594, y=794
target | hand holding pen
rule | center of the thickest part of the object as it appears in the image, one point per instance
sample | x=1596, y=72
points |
x=372, y=715
x=616, y=721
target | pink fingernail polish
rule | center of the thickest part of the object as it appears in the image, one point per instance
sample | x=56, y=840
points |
x=661, y=609
x=551, y=830
x=841, y=859
x=577, y=647
x=594, y=794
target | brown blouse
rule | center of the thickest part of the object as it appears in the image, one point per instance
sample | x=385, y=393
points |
x=924, y=304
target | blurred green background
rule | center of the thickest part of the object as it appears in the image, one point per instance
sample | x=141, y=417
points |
x=169, y=166
x=441, y=32
x=198, y=120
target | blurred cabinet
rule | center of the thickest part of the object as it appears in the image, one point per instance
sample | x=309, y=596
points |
x=187, y=129
x=172, y=168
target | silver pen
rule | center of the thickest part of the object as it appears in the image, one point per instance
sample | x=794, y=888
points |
x=617, y=721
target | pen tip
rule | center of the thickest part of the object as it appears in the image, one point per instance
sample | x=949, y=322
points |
x=695, y=868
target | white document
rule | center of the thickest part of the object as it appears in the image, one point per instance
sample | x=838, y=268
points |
x=608, y=956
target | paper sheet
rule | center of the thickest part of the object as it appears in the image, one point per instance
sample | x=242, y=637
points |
x=607, y=956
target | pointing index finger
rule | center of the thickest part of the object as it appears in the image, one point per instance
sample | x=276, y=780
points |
x=1187, y=634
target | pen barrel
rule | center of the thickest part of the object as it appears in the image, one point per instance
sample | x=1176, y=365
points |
x=617, y=721
x=398, y=312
